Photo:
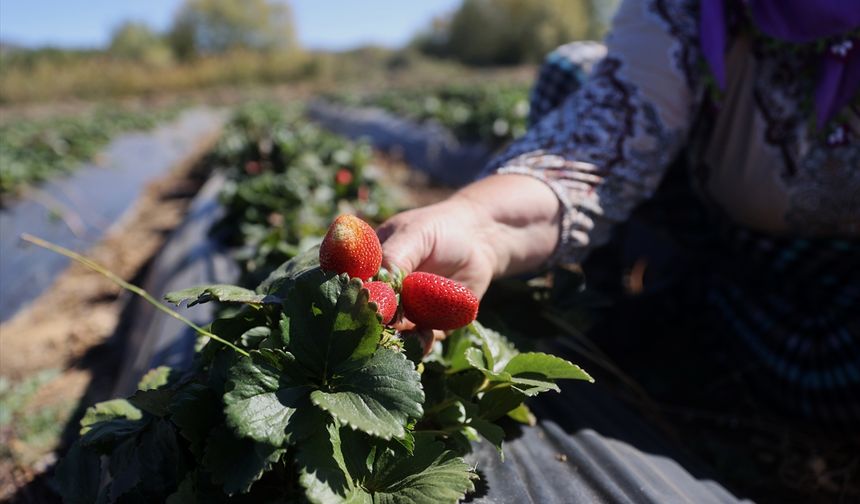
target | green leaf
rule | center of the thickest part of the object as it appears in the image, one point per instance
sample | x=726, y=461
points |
x=222, y=360
x=522, y=414
x=155, y=378
x=281, y=281
x=253, y=337
x=377, y=395
x=432, y=475
x=284, y=333
x=412, y=348
x=533, y=373
x=109, y=410
x=433, y=381
x=184, y=494
x=531, y=387
x=196, y=410
x=124, y=467
x=497, y=350
x=486, y=350
x=109, y=422
x=233, y=328
x=466, y=384
x=497, y=402
x=341, y=466
x=407, y=441
x=78, y=475
x=322, y=470
x=218, y=292
x=154, y=401
x=159, y=455
x=545, y=365
x=490, y=431
x=453, y=414
x=476, y=359
x=147, y=462
x=329, y=322
x=455, y=347
x=263, y=397
x=237, y=463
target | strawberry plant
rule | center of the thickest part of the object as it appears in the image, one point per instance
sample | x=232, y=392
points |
x=492, y=114
x=287, y=180
x=305, y=394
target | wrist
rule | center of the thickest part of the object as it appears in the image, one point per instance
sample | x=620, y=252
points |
x=516, y=217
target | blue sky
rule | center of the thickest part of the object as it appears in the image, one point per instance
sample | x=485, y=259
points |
x=321, y=24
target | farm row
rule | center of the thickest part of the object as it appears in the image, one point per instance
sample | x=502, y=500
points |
x=35, y=150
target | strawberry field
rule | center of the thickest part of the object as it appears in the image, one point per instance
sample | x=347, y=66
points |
x=35, y=150
x=204, y=203
x=301, y=379
x=318, y=378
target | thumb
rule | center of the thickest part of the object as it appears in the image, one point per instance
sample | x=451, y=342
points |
x=403, y=246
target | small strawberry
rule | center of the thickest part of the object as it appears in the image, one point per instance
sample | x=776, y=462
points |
x=436, y=302
x=386, y=300
x=253, y=168
x=343, y=177
x=351, y=246
x=363, y=193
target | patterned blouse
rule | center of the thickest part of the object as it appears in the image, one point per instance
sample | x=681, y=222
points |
x=790, y=190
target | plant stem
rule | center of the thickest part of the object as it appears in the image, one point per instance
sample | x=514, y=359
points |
x=127, y=286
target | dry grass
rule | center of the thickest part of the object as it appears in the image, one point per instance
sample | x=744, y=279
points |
x=96, y=76
x=100, y=76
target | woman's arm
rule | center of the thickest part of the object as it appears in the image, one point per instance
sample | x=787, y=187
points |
x=555, y=194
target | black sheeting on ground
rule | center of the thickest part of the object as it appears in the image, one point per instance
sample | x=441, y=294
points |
x=427, y=147
x=190, y=257
x=589, y=447
x=76, y=211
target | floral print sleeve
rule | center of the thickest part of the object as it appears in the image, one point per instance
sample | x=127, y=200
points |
x=606, y=145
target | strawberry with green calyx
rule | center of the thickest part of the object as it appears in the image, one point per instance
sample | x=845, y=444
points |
x=385, y=299
x=351, y=246
x=435, y=302
x=392, y=276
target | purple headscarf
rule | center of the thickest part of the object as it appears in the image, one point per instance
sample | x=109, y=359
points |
x=797, y=21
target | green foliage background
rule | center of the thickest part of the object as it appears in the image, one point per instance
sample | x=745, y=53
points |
x=505, y=32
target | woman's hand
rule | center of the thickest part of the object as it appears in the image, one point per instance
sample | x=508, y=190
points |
x=503, y=224
x=449, y=238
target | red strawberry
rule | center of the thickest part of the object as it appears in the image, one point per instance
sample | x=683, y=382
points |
x=253, y=168
x=386, y=300
x=363, y=193
x=350, y=246
x=343, y=177
x=436, y=302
